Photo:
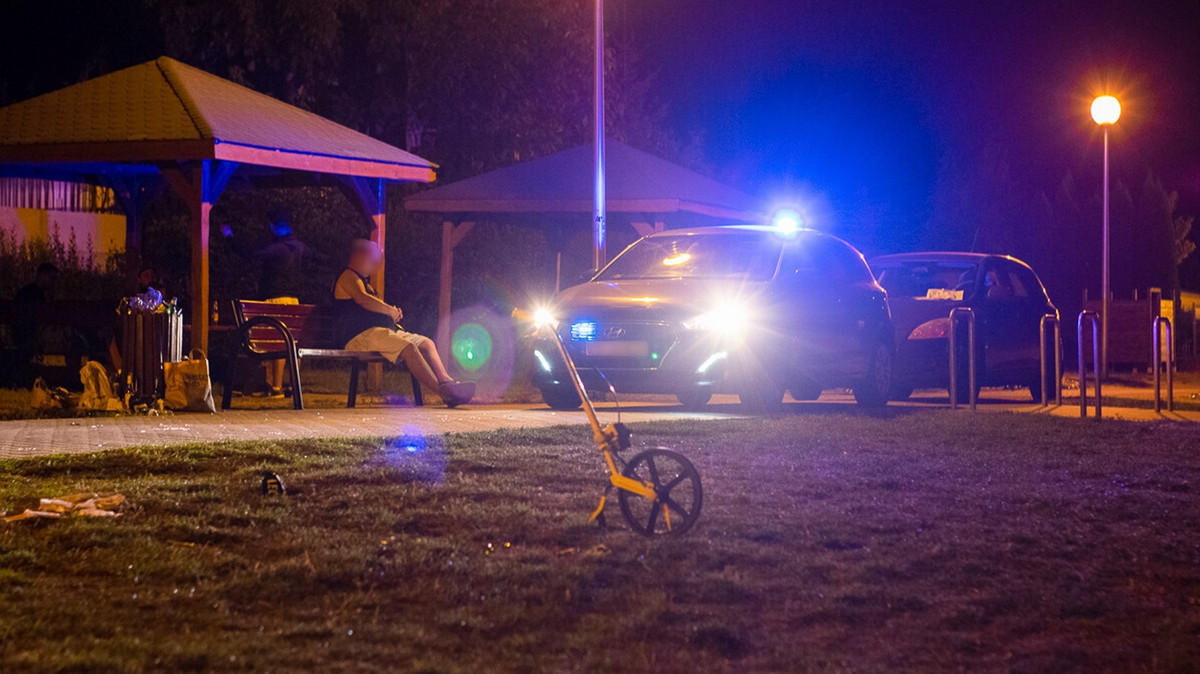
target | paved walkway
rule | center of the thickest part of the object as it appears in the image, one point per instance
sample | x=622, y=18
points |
x=67, y=436
x=43, y=437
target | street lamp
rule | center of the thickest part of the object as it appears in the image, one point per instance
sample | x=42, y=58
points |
x=1106, y=110
x=598, y=215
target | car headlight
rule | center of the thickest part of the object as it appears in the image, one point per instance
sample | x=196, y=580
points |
x=542, y=316
x=727, y=319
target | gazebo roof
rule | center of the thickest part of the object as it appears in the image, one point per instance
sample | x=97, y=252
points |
x=164, y=110
x=636, y=182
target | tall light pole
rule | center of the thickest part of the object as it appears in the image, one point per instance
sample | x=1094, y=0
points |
x=598, y=226
x=1106, y=110
x=599, y=235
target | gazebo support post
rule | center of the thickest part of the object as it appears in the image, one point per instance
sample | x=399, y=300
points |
x=369, y=196
x=200, y=185
x=452, y=235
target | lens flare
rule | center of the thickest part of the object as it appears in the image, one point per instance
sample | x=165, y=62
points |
x=472, y=346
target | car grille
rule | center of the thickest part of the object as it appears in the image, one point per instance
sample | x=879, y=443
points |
x=617, y=343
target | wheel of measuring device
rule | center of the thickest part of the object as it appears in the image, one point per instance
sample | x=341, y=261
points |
x=677, y=485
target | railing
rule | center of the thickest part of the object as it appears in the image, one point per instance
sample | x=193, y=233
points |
x=1051, y=319
x=1095, y=320
x=955, y=314
x=1159, y=352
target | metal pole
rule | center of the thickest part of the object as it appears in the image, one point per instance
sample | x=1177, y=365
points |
x=1051, y=319
x=1106, y=290
x=971, y=358
x=598, y=225
x=1091, y=317
x=1159, y=356
x=1156, y=362
x=955, y=313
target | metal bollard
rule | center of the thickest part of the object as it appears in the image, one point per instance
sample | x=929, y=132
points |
x=1051, y=319
x=1095, y=319
x=1158, y=358
x=955, y=314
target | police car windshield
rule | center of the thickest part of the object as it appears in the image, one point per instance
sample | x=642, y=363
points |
x=750, y=256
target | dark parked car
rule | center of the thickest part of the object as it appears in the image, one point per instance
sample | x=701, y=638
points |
x=751, y=310
x=1008, y=300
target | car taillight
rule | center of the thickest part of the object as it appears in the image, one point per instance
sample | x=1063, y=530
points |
x=938, y=328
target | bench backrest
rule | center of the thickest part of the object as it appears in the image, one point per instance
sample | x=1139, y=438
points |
x=311, y=326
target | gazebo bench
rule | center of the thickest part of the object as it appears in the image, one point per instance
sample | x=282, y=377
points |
x=291, y=332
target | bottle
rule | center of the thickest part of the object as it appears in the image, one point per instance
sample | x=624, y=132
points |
x=216, y=313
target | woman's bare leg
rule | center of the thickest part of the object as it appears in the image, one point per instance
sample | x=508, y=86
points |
x=274, y=373
x=419, y=367
x=429, y=350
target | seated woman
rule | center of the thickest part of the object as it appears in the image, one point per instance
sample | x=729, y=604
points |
x=367, y=323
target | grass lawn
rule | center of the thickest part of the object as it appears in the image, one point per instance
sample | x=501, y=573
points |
x=923, y=541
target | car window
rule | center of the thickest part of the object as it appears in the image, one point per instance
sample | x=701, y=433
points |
x=928, y=280
x=1001, y=282
x=825, y=259
x=1027, y=279
x=748, y=255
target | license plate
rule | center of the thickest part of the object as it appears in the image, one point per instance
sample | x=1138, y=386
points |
x=619, y=349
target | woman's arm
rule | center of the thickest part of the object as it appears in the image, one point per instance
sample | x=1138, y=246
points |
x=353, y=286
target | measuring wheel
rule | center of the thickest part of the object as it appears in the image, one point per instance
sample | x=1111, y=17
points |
x=677, y=485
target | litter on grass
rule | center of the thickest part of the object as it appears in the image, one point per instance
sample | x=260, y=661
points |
x=73, y=505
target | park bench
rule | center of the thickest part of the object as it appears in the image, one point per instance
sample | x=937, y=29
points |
x=292, y=332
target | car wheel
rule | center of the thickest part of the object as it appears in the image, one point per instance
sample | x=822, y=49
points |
x=694, y=398
x=561, y=397
x=757, y=388
x=805, y=390
x=1035, y=388
x=876, y=388
x=964, y=392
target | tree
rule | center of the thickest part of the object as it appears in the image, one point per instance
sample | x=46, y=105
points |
x=472, y=85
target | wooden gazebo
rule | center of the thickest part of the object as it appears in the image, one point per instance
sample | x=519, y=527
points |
x=644, y=191
x=164, y=120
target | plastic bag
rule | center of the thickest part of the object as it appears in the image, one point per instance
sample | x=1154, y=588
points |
x=97, y=390
x=188, y=385
x=45, y=398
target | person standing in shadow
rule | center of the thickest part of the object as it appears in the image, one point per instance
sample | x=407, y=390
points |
x=30, y=301
x=280, y=277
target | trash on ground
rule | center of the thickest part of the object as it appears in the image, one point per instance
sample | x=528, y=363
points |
x=73, y=505
x=98, y=393
x=272, y=485
x=46, y=398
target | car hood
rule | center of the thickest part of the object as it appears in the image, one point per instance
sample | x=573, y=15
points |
x=664, y=298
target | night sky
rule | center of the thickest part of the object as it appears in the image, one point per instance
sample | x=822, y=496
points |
x=860, y=103
x=854, y=108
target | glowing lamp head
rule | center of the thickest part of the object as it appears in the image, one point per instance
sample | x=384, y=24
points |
x=1106, y=110
x=787, y=221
